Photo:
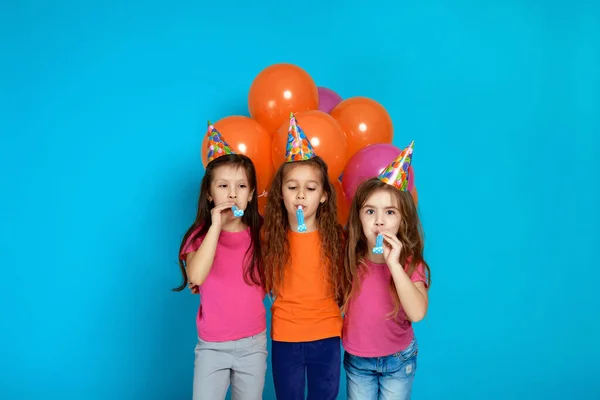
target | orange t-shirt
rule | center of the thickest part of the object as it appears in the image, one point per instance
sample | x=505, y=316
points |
x=305, y=308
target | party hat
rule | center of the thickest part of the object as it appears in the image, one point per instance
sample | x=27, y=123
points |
x=217, y=147
x=396, y=174
x=298, y=147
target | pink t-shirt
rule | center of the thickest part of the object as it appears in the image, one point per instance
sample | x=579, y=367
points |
x=368, y=331
x=230, y=309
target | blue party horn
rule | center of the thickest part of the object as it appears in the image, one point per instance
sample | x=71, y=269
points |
x=300, y=217
x=236, y=211
x=378, y=249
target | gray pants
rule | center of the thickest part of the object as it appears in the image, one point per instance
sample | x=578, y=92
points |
x=243, y=363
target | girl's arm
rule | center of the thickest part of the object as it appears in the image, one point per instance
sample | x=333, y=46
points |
x=412, y=295
x=199, y=262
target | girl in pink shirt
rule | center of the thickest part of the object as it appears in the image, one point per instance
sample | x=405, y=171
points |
x=220, y=258
x=389, y=289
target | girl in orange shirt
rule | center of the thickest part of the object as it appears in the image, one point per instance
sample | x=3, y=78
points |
x=304, y=272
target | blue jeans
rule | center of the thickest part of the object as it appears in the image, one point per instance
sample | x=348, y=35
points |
x=381, y=378
x=314, y=364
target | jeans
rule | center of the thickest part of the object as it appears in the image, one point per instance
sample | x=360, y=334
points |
x=314, y=364
x=381, y=378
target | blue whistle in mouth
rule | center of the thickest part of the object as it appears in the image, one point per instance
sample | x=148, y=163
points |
x=236, y=211
x=300, y=217
x=378, y=249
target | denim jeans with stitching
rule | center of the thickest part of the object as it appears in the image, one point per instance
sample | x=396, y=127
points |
x=381, y=378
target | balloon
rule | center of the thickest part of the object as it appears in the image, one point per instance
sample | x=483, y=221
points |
x=411, y=185
x=364, y=121
x=328, y=99
x=367, y=163
x=262, y=204
x=415, y=196
x=278, y=90
x=325, y=135
x=411, y=179
x=343, y=207
x=248, y=137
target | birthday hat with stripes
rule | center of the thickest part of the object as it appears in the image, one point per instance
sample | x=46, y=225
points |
x=298, y=147
x=397, y=173
x=217, y=146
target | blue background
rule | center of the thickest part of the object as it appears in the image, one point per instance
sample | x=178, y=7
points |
x=102, y=109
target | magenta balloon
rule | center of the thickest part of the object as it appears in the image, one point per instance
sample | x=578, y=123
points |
x=367, y=163
x=411, y=179
x=328, y=99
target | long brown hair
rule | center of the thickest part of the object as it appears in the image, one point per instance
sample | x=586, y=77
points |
x=410, y=234
x=275, y=244
x=251, y=217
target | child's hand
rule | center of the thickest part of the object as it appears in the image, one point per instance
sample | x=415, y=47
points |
x=392, y=246
x=193, y=288
x=221, y=214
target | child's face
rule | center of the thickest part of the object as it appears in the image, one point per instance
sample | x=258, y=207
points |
x=302, y=186
x=380, y=214
x=230, y=183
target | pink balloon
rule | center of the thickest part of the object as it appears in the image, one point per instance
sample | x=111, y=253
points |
x=367, y=163
x=328, y=99
x=411, y=179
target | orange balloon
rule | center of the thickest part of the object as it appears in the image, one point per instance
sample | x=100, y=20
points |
x=415, y=195
x=278, y=90
x=325, y=135
x=343, y=207
x=364, y=121
x=262, y=205
x=246, y=136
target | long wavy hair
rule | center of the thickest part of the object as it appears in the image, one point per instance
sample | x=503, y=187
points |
x=275, y=244
x=410, y=234
x=253, y=273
